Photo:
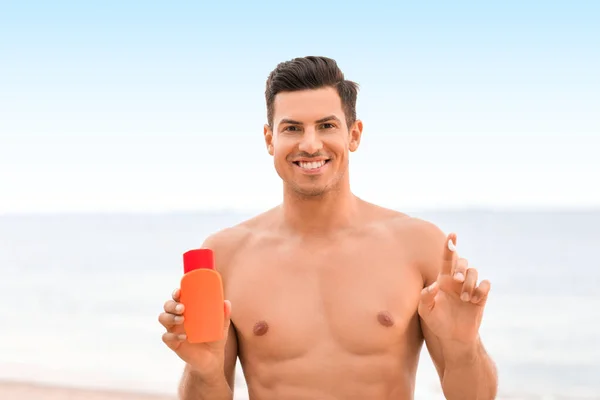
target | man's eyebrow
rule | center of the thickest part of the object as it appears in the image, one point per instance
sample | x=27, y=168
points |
x=328, y=118
x=289, y=121
x=319, y=121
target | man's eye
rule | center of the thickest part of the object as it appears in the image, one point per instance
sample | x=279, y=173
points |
x=291, y=128
x=328, y=125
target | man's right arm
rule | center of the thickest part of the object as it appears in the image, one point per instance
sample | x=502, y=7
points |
x=220, y=386
x=195, y=387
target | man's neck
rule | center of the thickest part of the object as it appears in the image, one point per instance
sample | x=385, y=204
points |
x=320, y=214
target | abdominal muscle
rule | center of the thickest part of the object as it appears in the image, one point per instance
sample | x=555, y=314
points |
x=329, y=373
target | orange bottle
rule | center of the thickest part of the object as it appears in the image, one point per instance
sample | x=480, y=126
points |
x=202, y=297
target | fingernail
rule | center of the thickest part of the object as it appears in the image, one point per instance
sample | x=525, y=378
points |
x=451, y=245
x=182, y=336
x=464, y=296
x=432, y=286
x=459, y=277
x=179, y=308
x=178, y=319
x=475, y=299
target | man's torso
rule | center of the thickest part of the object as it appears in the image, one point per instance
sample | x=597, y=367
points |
x=328, y=316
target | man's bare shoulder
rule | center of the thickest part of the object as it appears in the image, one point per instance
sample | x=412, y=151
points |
x=394, y=220
x=423, y=232
x=229, y=241
x=376, y=215
x=427, y=247
x=423, y=239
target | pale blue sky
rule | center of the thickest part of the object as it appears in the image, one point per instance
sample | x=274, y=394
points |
x=138, y=106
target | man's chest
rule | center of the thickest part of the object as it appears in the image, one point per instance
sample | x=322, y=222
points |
x=287, y=303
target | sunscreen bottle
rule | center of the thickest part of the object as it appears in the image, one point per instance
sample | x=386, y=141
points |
x=202, y=297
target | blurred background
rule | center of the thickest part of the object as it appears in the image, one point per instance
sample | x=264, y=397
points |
x=129, y=131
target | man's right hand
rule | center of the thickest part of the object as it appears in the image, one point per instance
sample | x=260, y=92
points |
x=206, y=360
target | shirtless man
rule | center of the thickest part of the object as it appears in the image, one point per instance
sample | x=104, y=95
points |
x=330, y=296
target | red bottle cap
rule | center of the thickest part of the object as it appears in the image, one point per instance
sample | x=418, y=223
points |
x=198, y=258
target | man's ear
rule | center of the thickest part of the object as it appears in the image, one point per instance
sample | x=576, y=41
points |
x=268, y=132
x=355, y=135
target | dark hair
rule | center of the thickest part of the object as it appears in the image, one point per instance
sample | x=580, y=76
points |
x=311, y=72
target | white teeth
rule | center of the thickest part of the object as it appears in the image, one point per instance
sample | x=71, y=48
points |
x=311, y=165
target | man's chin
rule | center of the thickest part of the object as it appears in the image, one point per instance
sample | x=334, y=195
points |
x=310, y=191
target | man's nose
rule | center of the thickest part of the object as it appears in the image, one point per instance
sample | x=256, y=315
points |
x=310, y=142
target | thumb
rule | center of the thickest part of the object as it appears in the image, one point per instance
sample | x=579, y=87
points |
x=428, y=296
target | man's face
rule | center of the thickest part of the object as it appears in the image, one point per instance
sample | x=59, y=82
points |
x=310, y=140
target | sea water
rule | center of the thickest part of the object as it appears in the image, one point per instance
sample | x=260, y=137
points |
x=80, y=296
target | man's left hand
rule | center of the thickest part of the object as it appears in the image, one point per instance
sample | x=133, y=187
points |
x=452, y=307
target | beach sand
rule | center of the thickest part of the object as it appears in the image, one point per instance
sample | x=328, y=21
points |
x=34, y=391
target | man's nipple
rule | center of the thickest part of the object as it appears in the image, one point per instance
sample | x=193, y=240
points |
x=260, y=328
x=385, y=318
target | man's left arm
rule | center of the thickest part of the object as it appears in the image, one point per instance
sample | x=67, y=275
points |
x=466, y=371
x=451, y=310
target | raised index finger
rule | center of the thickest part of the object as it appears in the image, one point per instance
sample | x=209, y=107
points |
x=449, y=255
